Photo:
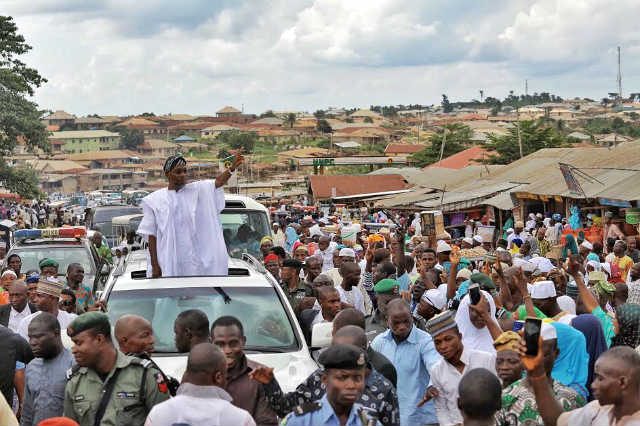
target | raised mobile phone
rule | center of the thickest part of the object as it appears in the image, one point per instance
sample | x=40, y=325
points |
x=474, y=293
x=532, y=327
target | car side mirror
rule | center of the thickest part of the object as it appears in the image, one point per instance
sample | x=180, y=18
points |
x=321, y=335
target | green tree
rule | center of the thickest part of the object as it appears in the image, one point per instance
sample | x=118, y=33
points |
x=290, y=120
x=368, y=120
x=319, y=114
x=19, y=117
x=267, y=113
x=458, y=138
x=239, y=140
x=130, y=138
x=534, y=135
x=323, y=126
x=446, y=105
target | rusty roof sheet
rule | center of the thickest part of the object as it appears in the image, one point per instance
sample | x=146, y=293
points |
x=322, y=186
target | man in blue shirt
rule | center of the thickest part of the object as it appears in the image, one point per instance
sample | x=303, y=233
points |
x=412, y=353
x=344, y=378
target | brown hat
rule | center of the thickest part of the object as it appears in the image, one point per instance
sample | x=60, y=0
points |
x=50, y=286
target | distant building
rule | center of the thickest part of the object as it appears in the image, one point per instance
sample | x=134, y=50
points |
x=395, y=149
x=91, y=123
x=157, y=148
x=106, y=159
x=79, y=141
x=59, y=118
x=213, y=132
x=228, y=111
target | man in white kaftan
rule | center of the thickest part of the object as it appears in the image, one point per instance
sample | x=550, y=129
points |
x=182, y=224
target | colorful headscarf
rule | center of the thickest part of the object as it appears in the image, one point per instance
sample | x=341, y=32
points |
x=571, y=368
x=507, y=341
x=173, y=161
x=265, y=239
x=570, y=244
x=628, y=316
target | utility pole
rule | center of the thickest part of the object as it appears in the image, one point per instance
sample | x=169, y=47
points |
x=619, y=77
x=444, y=140
x=526, y=87
x=518, y=131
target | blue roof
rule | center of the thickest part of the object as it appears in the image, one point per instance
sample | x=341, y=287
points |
x=184, y=138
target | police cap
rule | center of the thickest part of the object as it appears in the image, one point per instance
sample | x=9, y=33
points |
x=98, y=321
x=343, y=357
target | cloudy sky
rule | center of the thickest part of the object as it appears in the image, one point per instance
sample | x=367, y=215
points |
x=195, y=56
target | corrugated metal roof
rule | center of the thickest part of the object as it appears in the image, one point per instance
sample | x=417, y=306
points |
x=325, y=187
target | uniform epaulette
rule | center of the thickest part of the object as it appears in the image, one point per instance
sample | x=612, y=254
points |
x=72, y=371
x=307, y=407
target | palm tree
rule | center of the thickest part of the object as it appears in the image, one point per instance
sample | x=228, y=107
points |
x=290, y=119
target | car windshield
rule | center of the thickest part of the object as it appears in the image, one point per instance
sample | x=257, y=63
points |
x=243, y=230
x=102, y=220
x=31, y=256
x=266, y=324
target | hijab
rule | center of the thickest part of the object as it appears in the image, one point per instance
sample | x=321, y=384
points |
x=570, y=244
x=593, y=332
x=472, y=337
x=571, y=368
x=291, y=236
x=628, y=316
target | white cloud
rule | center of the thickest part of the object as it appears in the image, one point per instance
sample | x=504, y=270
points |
x=120, y=57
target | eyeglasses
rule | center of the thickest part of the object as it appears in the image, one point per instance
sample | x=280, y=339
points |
x=65, y=303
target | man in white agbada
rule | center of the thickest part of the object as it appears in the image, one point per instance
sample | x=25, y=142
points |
x=182, y=223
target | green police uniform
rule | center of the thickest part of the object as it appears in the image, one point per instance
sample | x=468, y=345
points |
x=137, y=388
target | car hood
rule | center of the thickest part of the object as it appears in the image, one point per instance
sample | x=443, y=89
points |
x=290, y=368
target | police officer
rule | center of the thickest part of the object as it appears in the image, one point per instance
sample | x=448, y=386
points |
x=135, y=338
x=106, y=387
x=344, y=378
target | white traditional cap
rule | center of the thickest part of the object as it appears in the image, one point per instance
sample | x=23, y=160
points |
x=543, y=290
x=510, y=231
x=479, y=239
x=567, y=304
x=442, y=246
x=548, y=332
x=435, y=298
x=347, y=252
x=468, y=240
x=543, y=264
x=463, y=273
x=586, y=244
x=524, y=264
x=539, y=215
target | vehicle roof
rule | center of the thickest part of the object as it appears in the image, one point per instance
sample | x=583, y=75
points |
x=249, y=202
x=137, y=262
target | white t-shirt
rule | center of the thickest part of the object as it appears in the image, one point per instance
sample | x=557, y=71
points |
x=199, y=405
x=64, y=318
x=352, y=297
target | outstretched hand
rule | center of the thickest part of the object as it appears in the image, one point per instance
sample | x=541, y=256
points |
x=263, y=375
x=238, y=159
x=431, y=392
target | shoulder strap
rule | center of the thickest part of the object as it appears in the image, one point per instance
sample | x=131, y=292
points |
x=106, y=397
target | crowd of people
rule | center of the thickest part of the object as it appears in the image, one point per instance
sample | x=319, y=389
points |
x=424, y=330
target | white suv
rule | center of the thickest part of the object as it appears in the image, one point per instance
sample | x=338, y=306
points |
x=249, y=293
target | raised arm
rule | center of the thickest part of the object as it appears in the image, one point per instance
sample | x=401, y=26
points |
x=589, y=300
x=223, y=177
x=454, y=258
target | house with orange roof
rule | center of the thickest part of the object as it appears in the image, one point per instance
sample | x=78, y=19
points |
x=395, y=149
x=468, y=157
